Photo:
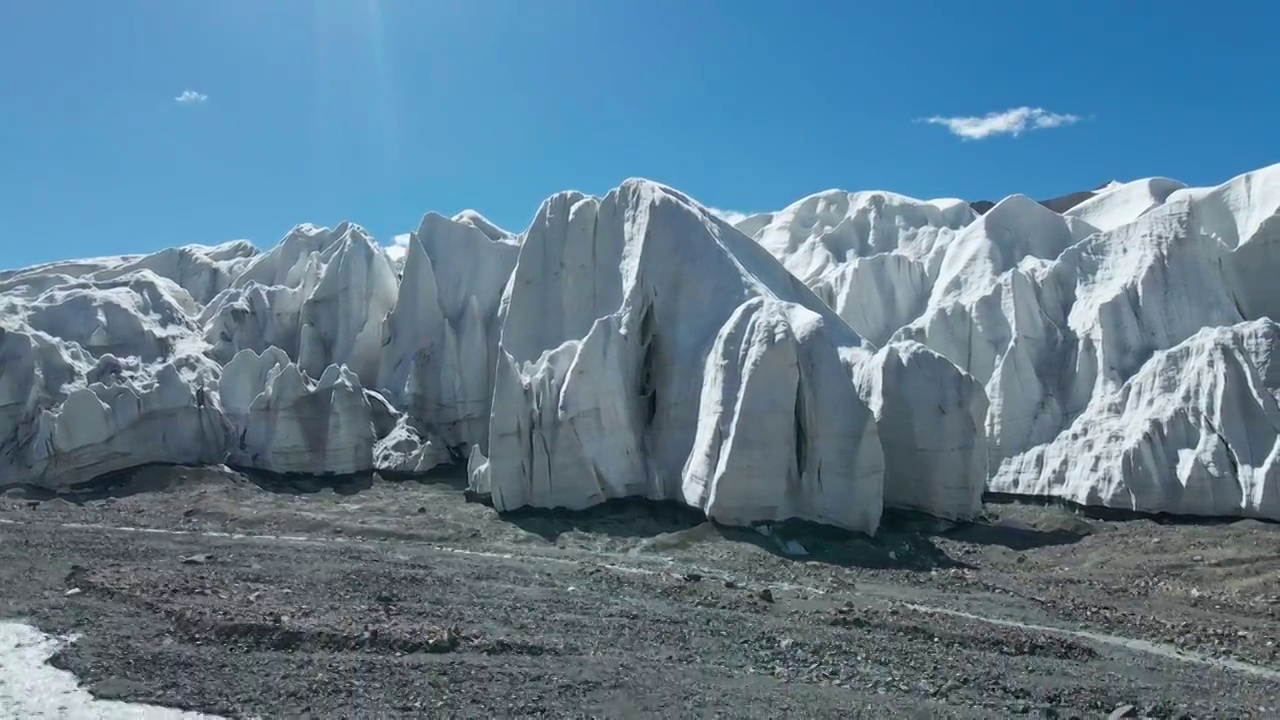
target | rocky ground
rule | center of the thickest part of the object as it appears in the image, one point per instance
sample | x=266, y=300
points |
x=206, y=590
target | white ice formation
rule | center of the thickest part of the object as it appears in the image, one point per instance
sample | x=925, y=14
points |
x=871, y=256
x=695, y=368
x=1119, y=343
x=852, y=352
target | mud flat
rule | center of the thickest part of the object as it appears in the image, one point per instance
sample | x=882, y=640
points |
x=209, y=591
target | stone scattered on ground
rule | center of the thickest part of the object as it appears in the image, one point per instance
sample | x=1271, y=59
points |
x=402, y=599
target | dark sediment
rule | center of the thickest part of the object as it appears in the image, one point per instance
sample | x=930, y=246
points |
x=379, y=598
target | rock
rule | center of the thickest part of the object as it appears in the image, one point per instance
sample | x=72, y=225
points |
x=442, y=640
x=948, y=687
x=117, y=689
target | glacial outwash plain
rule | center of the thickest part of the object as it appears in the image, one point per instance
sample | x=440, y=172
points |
x=864, y=456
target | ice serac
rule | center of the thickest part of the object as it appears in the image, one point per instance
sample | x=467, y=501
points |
x=1049, y=306
x=1057, y=323
x=439, y=343
x=650, y=349
x=782, y=431
x=751, y=224
x=59, y=432
x=1244, y=215
x=1122, y=203
x=320, y=296
x=966, y=316
x=857, y=351
x=1017, y=229
x=284, y=422
x=341, y=320
x=114, y=368
x=99, y=376
x=140, y=314
x=931, y=419
x=201, y=271
x=485, y=226
x=101, y=429
x=1196, y=431
x=403, y=449
x=871, y=256
x=37, y=370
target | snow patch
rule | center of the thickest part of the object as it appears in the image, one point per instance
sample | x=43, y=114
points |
x=31, y=688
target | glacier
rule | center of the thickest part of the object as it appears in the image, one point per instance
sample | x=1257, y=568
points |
x=852, y=352
x=1111, y=339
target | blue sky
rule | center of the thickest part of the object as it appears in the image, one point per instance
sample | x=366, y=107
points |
x=134, y=125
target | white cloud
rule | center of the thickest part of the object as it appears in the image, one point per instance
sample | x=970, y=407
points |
x=1010, y=122
x=191, y=97
x=733, y=217
x=399, y=247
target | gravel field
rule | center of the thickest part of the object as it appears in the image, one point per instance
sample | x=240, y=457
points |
x=205, y=590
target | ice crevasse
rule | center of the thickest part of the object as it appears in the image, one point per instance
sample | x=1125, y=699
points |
x=851, y=352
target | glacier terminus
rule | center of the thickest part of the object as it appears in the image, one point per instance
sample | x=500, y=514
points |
x=851, y=352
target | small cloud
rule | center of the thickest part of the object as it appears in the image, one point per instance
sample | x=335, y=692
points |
x=1010, y=122
x=191, y=97
x=733, y=217
x=399, y=247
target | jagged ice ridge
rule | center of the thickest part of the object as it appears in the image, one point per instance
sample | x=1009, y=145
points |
x=851, y=352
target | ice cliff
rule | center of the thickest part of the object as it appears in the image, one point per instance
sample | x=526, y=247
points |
x=1077, y=324
x=649, y=349
x=851, y=352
